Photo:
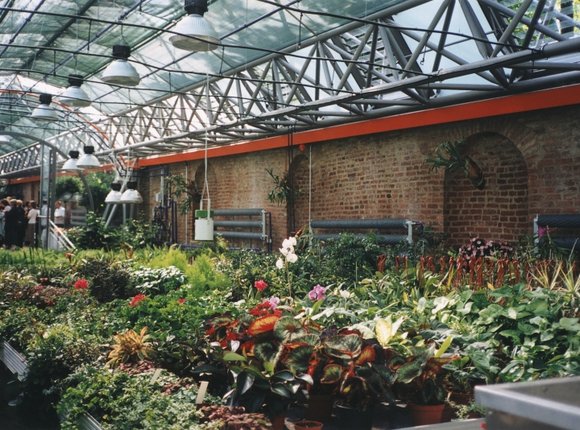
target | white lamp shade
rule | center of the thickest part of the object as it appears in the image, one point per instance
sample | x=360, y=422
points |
x=75, y=96
x=44, y=112
x=115, y=194
x=113, y=197
x=71, y=164
x=195, y=34
x=88, y=159
x=120, y=72
x=131, y=196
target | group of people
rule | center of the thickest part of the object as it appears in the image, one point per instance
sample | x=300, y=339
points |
x=20, y=222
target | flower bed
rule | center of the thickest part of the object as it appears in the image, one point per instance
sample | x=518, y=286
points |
x=131, y=337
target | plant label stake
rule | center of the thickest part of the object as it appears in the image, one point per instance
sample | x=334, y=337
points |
x=201, y=393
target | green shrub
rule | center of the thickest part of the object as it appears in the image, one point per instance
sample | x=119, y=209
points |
x=108, y=279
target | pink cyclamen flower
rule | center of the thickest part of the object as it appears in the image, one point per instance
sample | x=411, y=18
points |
x=137, y=299
x=260, y=285
x=81, y=284
x=317, y=293
x=273, y=302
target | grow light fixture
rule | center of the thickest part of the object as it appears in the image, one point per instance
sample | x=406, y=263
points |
x=71, y=163
x=115, y=194
x=4, y=138
x=88, y=160
x=131, y=195
x=195, y=32
x=74, y=95
x=44, y=112
x=120, y=72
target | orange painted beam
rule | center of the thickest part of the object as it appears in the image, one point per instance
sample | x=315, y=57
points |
x=536, y=100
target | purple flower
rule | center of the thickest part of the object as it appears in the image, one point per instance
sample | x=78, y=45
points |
x=317, y=293
x=273, y=302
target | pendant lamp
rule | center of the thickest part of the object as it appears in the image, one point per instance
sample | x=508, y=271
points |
x=44, y=112
x=195, y=32
x=120, y=72
x=4, y=138
x=115, y=194
x=71, y=163
x=131, y=195
x=88, y=160
x=74, y=95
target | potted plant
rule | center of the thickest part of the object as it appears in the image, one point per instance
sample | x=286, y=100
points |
x=259, y=352
x=420, y=382
x=448, y=156
x=357, y=369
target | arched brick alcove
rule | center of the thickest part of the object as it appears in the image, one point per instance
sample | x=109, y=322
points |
x=500, y=210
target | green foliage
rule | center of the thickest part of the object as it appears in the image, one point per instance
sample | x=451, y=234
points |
x=120, y=401
x=108, y=279
x=281, y=191
x=67, y=186
x=157, y=281
x=99, y=183
x=172, y=256
x=351, y=258
x=183, y=190
x=95, y=235
x=52, y=356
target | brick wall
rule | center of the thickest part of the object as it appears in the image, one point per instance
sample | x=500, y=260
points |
x=531, y=162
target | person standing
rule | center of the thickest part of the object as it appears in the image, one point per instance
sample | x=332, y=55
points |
x=3, y=204
x=31, y=230
x=59, y=214
x=21, y=222
x=11, y=225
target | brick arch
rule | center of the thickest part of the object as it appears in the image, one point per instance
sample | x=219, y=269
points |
x=500, y=210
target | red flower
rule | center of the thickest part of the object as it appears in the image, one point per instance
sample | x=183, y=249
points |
x=81, y=284
x=181, y=300
x=137, y=299
x=260, y=285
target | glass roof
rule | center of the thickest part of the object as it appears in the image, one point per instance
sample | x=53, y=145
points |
x=280, y=65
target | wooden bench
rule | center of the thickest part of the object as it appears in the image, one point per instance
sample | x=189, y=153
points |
x=386, y=230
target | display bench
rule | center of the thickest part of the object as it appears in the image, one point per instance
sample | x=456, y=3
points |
x=548, y=404
x=16, y=363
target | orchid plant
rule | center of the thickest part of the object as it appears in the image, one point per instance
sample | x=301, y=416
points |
x=288, y=257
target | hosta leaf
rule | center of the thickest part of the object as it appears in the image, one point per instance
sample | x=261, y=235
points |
x=263, y=325
x=444, y=346
x=570, y=324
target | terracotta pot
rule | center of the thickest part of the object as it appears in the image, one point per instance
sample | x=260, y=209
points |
x=278, y=422
x=426, y=414
x=308, y=425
